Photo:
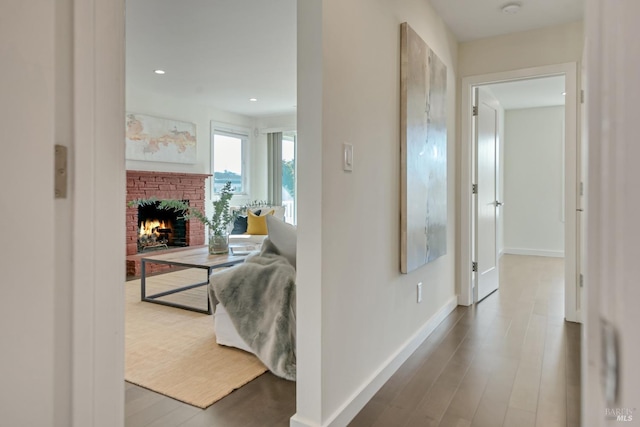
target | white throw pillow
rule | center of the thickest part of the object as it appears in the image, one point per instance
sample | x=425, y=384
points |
x=284, y=238
x=278, y=211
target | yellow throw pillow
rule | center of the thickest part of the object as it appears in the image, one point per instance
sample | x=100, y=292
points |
x=257, y=225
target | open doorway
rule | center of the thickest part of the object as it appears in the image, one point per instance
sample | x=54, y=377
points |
x=220, y=75
x=532, y=165
x=519, y=162
x=564, y=211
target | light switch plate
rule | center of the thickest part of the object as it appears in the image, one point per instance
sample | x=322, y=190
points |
x=347, y=157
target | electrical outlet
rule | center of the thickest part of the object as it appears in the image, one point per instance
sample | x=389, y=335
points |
x=420, y=292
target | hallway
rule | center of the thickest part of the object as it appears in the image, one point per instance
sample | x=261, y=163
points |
x=510, y=361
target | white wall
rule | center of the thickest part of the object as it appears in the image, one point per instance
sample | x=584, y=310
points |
x=546, y=46
x=279, y=123
x=202, y=115
x=533, y=211
x=368, y=309
x=179, y=109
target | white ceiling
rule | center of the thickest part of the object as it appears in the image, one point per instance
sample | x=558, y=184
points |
x=532, y=93
x=476, y=19
x=218, y=53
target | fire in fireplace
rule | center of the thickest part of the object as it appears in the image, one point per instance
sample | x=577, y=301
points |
x=160, y=229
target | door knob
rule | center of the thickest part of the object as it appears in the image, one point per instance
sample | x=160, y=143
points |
x=497, y=203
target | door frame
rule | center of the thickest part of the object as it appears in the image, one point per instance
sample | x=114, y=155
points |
x=569, y=70
x=98, y=187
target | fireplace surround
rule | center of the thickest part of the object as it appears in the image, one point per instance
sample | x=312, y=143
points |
x=162, y=185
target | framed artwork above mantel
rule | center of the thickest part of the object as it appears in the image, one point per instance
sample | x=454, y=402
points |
x=157, y=139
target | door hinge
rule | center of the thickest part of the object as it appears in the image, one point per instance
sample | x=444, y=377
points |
x=474, y=110
x=581, y=188
x=474, y=266
x=474, y=188
x=60, y=172
x=581, y=96
x=581, y=280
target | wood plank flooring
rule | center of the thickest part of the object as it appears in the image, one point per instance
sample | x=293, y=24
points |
x=510, y=361
x=266, y=401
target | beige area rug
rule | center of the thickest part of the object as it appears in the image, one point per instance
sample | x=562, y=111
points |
x=174, y=351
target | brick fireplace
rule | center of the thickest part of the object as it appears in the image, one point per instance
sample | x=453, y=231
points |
x=162, y=185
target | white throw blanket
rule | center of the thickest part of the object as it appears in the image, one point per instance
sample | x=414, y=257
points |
x=260, y=297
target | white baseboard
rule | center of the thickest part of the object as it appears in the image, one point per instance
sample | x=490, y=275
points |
x=356, y=402
x=534, y=252
x=296, y=421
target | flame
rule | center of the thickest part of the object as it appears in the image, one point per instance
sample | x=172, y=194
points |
x=150, y=227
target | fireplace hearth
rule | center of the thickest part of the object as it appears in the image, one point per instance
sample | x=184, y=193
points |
x=179, y=233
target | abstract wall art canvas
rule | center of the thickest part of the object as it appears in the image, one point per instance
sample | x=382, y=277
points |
x=160, y=140
x=423, y=135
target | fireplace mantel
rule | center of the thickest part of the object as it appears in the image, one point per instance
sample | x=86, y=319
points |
x=162, y=185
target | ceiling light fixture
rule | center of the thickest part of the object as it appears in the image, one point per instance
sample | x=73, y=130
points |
x=158, y=71
x=564, y=93
x=511, y=8
x=253, y=99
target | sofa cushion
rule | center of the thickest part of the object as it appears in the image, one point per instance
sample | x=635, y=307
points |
x=257, y=224
x=284, y=238
x=240, y=225
x=241, y=222
x=247, y=240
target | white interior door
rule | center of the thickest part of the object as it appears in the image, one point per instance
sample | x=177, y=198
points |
x=486, y=122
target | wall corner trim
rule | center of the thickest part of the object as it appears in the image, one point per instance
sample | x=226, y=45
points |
x=359, y=399
x=463, y=302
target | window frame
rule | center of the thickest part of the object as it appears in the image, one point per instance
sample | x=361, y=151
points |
x=242, y=133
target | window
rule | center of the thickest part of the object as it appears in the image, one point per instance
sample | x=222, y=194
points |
x=228, y=160
x=289, y=176
x=282, y=172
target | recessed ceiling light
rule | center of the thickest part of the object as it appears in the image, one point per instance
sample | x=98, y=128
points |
x=564, y=93
x=511, y=8
x=253, y=99
x=158, y=71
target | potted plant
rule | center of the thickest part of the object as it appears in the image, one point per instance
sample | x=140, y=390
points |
x=218, y=224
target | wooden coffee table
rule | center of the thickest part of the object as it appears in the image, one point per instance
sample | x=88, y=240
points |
x=192, y=258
